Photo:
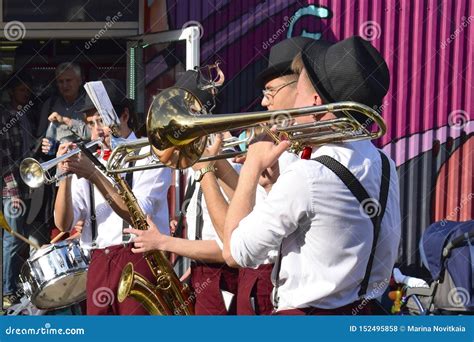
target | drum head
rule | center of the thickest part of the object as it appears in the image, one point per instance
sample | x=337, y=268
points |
x=62, y=292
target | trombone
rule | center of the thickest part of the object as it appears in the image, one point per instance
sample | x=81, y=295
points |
x=129, y=152
x=178, y=137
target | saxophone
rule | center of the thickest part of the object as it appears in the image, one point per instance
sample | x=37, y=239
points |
x=169, y=296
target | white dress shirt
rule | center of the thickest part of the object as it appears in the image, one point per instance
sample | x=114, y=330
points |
x=150, y=187
x=208, y=230
x=326, y=238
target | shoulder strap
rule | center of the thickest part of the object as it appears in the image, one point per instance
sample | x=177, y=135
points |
x=368, y=204
x=199, y=219
x=374, y=209
x=182, y=213
x=129, y=179
x=92, y=213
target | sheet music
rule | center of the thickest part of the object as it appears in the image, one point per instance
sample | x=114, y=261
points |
x=102, y=103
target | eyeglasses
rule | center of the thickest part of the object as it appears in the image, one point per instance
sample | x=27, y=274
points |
x=270, y=93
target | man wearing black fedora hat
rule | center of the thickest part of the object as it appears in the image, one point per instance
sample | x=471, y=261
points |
x=278, y=84
x=335, y=257
x=90, y=196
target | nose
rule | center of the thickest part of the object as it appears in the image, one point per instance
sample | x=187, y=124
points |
x=265, y=102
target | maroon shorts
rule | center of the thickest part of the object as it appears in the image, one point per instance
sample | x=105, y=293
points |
x=103, y=278
x=360, y=307
x=207, y=281
x=255, y=287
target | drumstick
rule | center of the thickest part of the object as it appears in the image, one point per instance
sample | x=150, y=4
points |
x=4, y=225
x=57, y=237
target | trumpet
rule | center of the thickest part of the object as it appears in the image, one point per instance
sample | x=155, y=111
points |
x=35, y=174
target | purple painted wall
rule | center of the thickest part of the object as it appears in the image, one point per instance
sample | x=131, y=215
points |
x=428, y=46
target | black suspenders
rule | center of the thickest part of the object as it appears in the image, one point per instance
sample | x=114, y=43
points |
x=373, y=209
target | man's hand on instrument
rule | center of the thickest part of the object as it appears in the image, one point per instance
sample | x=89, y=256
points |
x=81, y=166
x=210, y=151
x=63, y=149
x=147, y=240
x=45, y=145
x=269, y=176
x=263, y=153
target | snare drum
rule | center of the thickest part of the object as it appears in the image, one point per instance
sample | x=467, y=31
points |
x=55, y=276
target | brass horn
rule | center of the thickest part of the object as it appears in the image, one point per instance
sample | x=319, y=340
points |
x=35, y=174
x=178, y=136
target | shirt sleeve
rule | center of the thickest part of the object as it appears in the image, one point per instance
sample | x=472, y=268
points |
x=263, y=230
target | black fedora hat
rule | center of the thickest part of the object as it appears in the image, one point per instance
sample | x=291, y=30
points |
x=349, y=70
x=189, y=81
x=116, y=92
x=281, y=56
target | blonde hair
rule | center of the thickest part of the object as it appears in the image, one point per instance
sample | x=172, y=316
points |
x=297, y=64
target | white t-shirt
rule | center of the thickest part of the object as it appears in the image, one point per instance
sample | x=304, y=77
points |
x=150, y=188
x=326, y=239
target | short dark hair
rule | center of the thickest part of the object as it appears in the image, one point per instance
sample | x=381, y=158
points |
x=132, y=122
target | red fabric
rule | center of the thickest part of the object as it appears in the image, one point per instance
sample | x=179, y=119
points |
x=306, y=153
x=106, y=154
x=256, y=284
x=103, y=278
x=356, y=308
x=207, y=282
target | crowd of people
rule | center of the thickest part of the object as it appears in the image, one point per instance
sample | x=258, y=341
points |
x=273, y=232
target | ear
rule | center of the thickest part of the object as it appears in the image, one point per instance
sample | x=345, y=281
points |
x=317, y=101
x=125, y=116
